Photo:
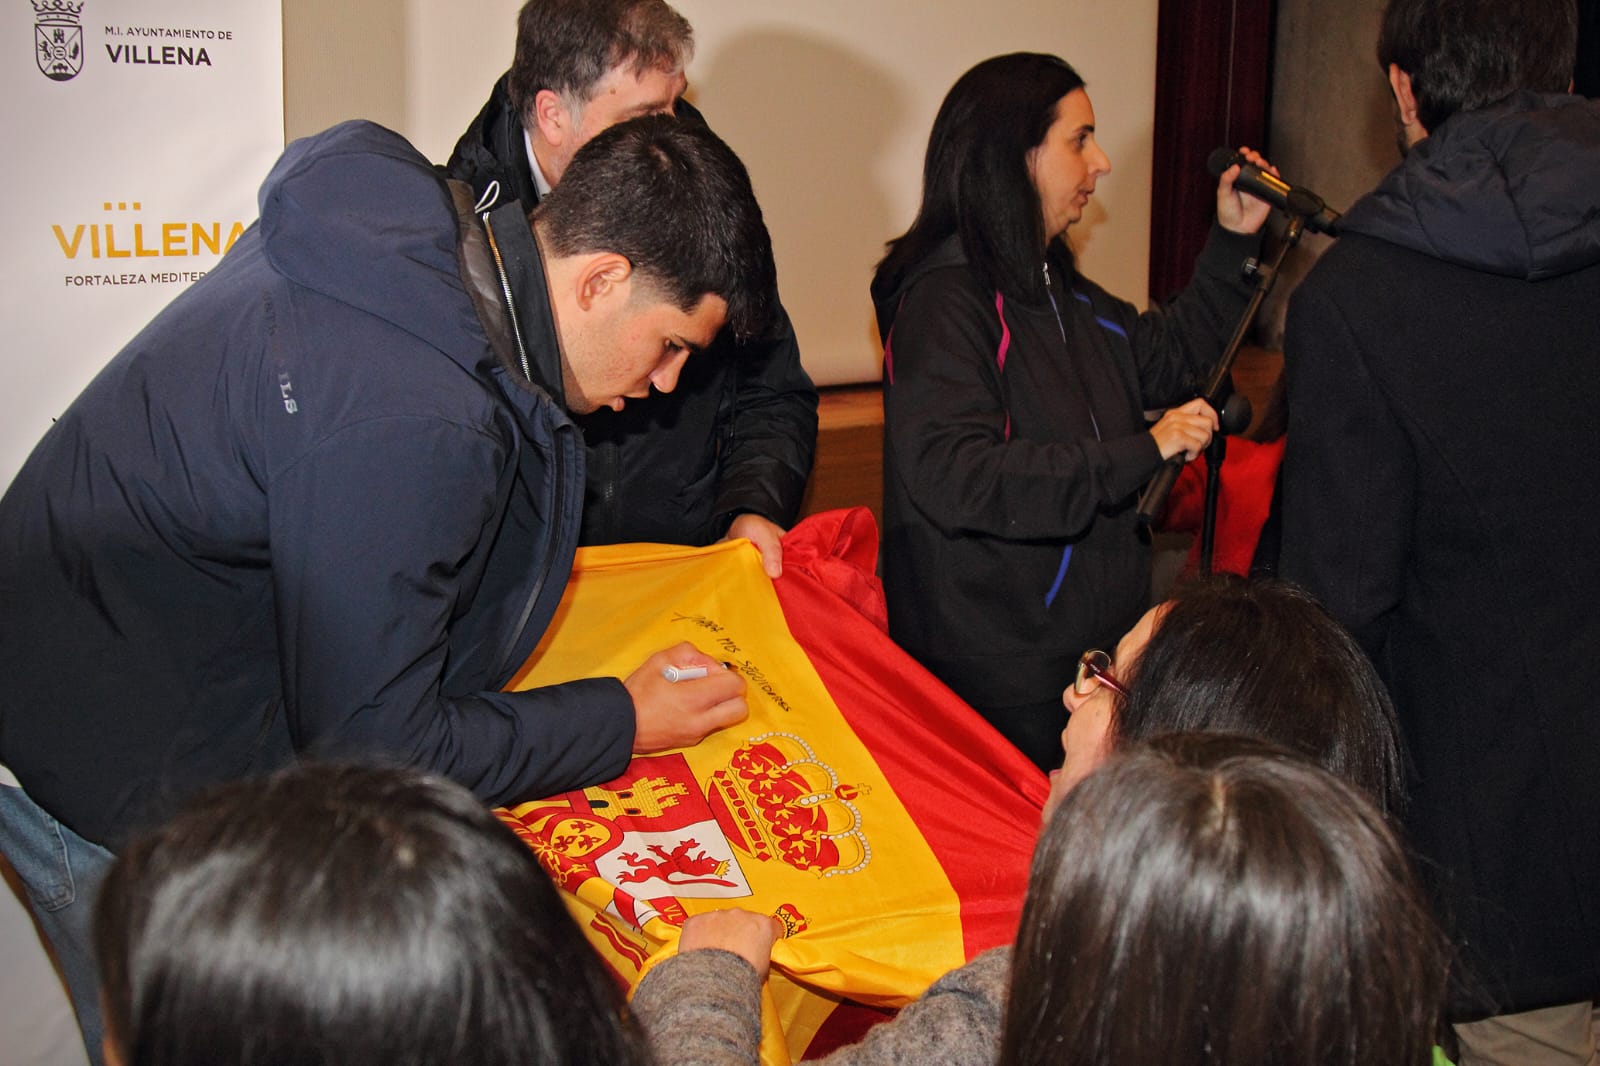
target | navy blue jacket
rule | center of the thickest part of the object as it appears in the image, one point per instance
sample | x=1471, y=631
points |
x=1440, y=497
x=309, y=510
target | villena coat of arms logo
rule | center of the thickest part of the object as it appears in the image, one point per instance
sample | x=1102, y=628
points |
x=58, y=38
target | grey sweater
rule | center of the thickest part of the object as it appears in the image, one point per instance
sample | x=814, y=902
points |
x=704, y=1009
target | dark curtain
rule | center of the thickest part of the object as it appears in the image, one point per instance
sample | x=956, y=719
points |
x=1586, y=77
x=1213, y=60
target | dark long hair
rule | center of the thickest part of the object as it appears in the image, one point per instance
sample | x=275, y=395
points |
x=975, y=178
x=1213, y=899
x=1264, y=659
x=349, y=915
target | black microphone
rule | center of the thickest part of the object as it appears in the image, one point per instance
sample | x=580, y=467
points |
x=1264, y=185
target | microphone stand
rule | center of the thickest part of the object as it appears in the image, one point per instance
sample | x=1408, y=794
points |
x=1156, y=492
x=1234, y=418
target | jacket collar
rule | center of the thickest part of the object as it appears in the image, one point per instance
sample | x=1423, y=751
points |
x=1506, y=189
x=533, y=323
x=503, y=272
x=492, y=150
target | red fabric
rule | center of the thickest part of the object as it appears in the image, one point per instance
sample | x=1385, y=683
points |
x=1249, y=474
x=975, y=797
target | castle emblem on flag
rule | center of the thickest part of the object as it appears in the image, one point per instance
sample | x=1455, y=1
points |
x=637, y=846
x=58, y=38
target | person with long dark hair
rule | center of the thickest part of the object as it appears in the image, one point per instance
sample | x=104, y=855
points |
x=1256, y=659
x=1199, y=898
x=1213, y=899
x=1015, y=389
x=1228, y=655
x=347, y=915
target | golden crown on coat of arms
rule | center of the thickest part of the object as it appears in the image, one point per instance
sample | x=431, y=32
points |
x=777, y=801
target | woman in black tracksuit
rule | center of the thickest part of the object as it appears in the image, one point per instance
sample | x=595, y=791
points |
x=1014, y=399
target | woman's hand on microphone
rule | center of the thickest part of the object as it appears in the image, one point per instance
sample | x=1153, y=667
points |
x=1236, y=211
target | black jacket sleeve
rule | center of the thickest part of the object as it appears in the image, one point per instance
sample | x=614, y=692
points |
x=769, y=443
x=1176, y=345
x=773, y=434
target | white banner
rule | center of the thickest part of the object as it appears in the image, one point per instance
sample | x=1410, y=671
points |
x=136, y=134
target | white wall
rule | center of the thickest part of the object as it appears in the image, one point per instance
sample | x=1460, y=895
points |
x=828, y=101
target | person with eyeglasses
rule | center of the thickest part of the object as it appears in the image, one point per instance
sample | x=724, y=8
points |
x=1258, y=658
x=1222, y=655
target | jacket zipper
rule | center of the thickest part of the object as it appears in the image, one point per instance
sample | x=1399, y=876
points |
x=506, y=668
x=511, y=306
x=1049, y=291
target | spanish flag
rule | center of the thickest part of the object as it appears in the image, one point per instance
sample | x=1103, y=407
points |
x=862, y=803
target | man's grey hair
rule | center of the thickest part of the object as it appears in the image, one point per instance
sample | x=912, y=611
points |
x=568, y=46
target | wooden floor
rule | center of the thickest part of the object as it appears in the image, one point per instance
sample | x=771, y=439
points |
x=848, y=471
x=849, y=466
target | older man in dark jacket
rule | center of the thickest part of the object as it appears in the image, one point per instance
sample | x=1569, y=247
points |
x=728, y=453
x=1440, y=482
x=326, y=503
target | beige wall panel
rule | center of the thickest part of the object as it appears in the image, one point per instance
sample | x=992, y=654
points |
x=828, y=101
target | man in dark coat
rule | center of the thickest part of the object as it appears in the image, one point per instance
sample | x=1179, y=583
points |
x=324, y=505
x=1440, y=493
x=727, y=454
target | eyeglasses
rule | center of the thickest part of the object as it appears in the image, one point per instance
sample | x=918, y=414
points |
x=1094, y=668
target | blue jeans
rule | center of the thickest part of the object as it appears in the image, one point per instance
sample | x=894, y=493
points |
x=62, y=873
